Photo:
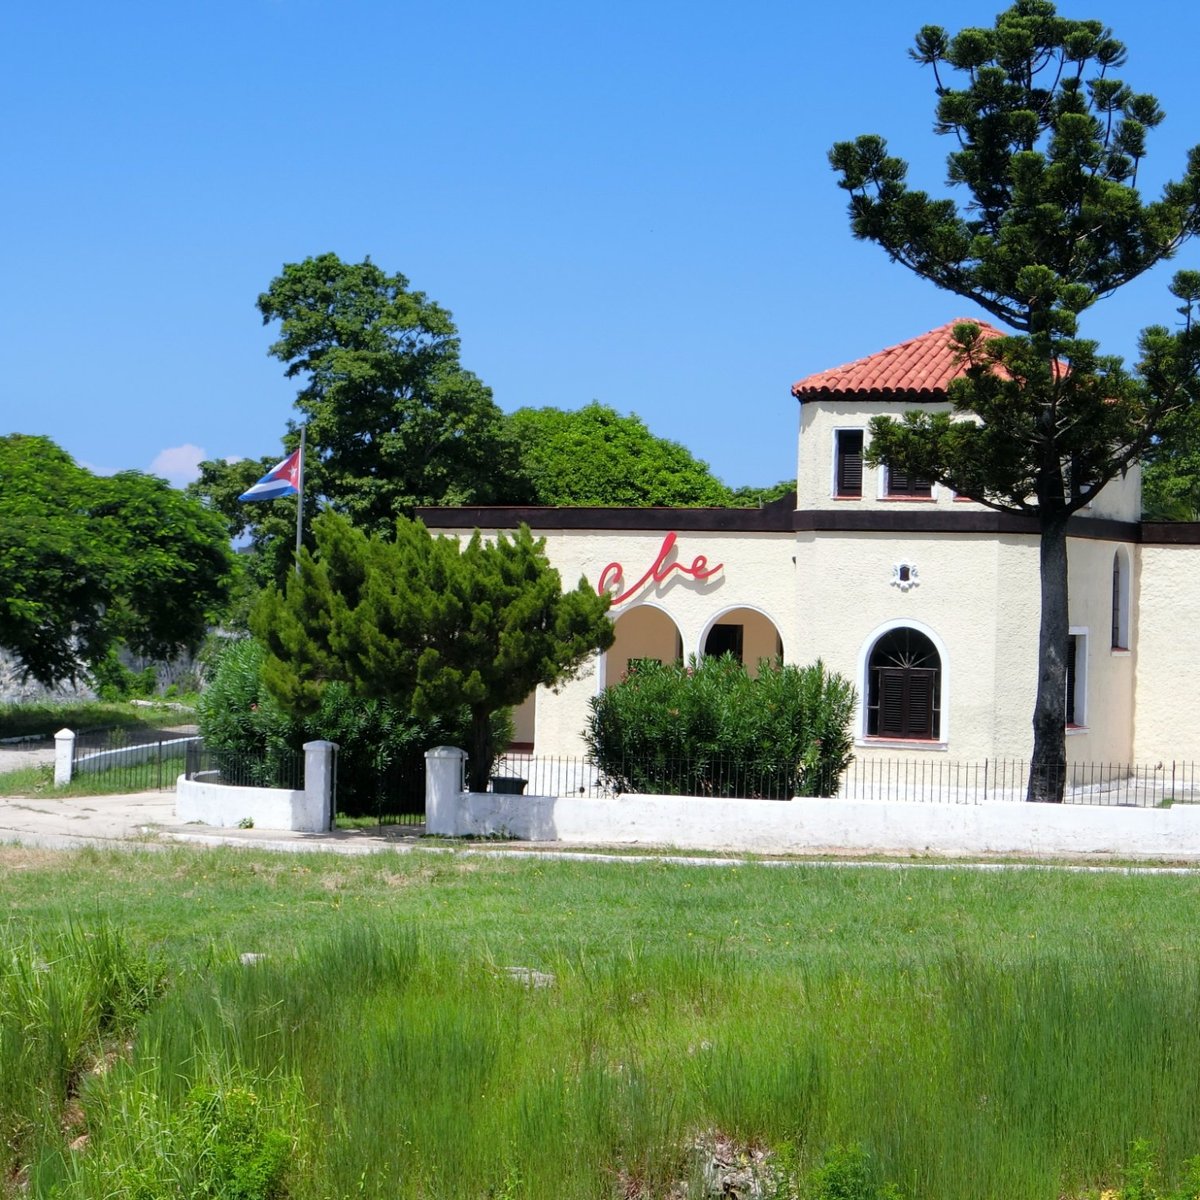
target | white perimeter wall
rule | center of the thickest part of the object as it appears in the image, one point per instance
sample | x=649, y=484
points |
x=268, y=808
x=811, y=826
x=808, y=825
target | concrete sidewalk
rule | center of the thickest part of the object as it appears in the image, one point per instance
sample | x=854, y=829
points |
x=148, y=818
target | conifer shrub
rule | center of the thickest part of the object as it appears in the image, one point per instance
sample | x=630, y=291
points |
x=710, y=729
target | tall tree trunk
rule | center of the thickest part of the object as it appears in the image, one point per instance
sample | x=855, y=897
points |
x=1047, y=770
x=481, y=751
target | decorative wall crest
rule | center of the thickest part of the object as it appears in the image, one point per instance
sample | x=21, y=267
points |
x=905, y=576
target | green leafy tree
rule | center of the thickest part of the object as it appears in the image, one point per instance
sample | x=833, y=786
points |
x=1171, y=471
x=750, y=496
x=595, y=456
x=168, y=562
x=91, y=562
x=1048, y=146
x=52, y=569
x=428, y=623
x=394, y=421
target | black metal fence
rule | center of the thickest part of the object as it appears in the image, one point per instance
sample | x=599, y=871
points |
x=371, y=792
x=399, y=790
x=703, y=775
x=538, y=776
x=923, y=780
x=1125, y=785
x=132, y=760
x=394, y=794
x=276, y=767
x=384, y=794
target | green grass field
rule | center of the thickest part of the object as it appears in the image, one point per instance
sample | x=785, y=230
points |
x=44, y=720
x=47, y=718
x=150, y=775
x=851, y=1031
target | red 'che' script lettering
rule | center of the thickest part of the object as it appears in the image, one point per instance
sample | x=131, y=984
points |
x=613, y=576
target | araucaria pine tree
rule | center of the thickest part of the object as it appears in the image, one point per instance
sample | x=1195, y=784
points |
x=1047, y=148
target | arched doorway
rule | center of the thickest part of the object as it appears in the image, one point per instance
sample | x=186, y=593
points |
x=904, y=686
x=749, y=635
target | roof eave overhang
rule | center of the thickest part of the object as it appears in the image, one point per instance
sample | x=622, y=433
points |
x=890, y=396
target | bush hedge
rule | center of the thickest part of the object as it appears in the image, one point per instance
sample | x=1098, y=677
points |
x=711, y=729
x=381, y=747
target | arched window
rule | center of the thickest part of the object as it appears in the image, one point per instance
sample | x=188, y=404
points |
x=904, y=686
x=1120, y=599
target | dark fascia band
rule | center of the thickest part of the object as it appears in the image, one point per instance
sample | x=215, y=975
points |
x=781, y=517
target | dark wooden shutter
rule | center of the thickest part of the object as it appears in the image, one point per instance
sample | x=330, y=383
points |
x=891, y=702
x=1071, y=644
x=901, y=483
x=906, y=702
x=919, y=717
x=849, y=462
x=1116, y=605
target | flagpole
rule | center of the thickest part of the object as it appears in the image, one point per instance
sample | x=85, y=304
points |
x=300, y=496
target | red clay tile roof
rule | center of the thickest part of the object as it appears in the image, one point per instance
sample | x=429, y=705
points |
x=919, y=368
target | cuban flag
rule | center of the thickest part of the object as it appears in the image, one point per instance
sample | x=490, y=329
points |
x=280, y=480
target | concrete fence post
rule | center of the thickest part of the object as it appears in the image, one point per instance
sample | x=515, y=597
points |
x=443, y=789
x=64, y=756
x=318, y=784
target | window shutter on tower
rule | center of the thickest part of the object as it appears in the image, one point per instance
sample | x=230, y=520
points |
x=849, y=462
x=1071, y=678
x=901, y=483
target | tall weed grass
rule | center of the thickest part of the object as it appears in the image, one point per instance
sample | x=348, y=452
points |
x=383, y=1056
x=65, y=1001
x=387, y=1066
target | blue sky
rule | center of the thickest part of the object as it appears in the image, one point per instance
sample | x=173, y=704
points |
x=627, y=202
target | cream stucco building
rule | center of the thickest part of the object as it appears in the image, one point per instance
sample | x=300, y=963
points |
x=927, y=601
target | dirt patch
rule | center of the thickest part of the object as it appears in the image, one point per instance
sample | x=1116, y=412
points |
x=25, y=858
x=396, y=879
x=270, y=871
